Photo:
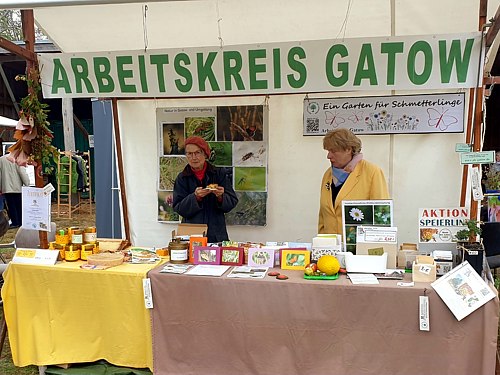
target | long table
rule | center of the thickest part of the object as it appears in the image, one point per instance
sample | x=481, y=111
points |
x=222, y=326
x=63, y=314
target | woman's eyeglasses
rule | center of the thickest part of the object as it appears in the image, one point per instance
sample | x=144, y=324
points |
x=194, y=154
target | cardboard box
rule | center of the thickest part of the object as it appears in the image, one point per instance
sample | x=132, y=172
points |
x=184, y=229
x=406, y=259
x=424, y=269
x=366, y=263
x=408, y=246
x=365, y=248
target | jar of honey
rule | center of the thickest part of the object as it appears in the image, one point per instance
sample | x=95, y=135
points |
x=77, y=236
x=62, y=237
x=90, y=235
x=72, y=253
x=60, y=248
x=178, y=251
x=87, y=249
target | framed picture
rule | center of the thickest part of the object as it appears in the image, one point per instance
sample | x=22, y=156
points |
x=231, y=256
x=295, y=259
x=195, y=241
x=260, y=257
x=206, y=254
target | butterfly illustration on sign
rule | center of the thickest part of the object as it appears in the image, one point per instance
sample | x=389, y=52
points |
x=333, y=119
x=439, y=119
x=356, y=116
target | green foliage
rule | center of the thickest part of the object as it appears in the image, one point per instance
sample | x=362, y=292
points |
x=10, y=25
x=34, y=110
x=492, y=181
x=469, y=234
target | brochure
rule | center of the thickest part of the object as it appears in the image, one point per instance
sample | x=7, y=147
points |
x=463, y=290
x=245, y=272
x=175, y=268
x=143, y=255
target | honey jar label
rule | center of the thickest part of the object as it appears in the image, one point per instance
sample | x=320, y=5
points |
x=90, y=237
x=77, y=238
x=178, y=255
x=85, y=253
x=62, y=239
x=72, y=255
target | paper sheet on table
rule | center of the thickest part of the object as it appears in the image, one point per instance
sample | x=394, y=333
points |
x=207, y=270
x=363, y=278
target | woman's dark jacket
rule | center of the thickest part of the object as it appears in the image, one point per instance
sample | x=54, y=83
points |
x=207, y=211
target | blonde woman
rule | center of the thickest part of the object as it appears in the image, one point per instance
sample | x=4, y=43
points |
x=349, y=177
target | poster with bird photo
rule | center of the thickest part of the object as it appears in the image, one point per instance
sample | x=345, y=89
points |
x=367, y=213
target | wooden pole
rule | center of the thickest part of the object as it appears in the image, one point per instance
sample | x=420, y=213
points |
x=121, y=174
x=475, y=119
x=28, y=22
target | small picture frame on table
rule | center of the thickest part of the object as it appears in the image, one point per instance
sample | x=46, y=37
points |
x=195, y=240
x=206, y=254
x=260, y=257
x=295, y=259
x=231, y=256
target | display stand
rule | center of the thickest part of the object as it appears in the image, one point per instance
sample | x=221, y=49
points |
x=67, y=200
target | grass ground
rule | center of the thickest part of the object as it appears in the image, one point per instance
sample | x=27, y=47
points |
x=82, y=219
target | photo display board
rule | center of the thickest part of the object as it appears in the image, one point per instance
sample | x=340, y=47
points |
x=237, y=136
x=366, y=213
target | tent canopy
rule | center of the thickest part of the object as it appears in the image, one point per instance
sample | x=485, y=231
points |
x=5, y=121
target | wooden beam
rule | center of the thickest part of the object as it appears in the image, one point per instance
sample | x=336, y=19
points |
x=80, y=126
x=121, y=174
x=28, y=22
x=492, y=32
x=491, y=80
x=16, y=50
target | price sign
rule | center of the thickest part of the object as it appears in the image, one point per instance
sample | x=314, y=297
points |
x=35, y=256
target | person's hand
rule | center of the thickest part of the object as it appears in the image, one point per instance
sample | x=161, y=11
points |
x=218, y=193
x=201, y=193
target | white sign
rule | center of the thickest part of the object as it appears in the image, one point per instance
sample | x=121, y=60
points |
x=481, y=157
x=36, y=209
x=436, y=113
x=440, y=225
x=35, y=256
x=413, y=62
x=376, y=234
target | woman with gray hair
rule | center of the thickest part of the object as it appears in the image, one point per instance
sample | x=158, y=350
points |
x=349, y=177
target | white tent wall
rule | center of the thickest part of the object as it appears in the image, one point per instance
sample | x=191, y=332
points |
x=422, y=170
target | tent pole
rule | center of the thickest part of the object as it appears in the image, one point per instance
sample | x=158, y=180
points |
x=118, y=145
x=28, y=22
x=475, y=120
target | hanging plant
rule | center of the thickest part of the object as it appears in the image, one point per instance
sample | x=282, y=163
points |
x=33, y=136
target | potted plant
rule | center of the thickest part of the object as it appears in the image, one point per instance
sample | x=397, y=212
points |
x=470, y=246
